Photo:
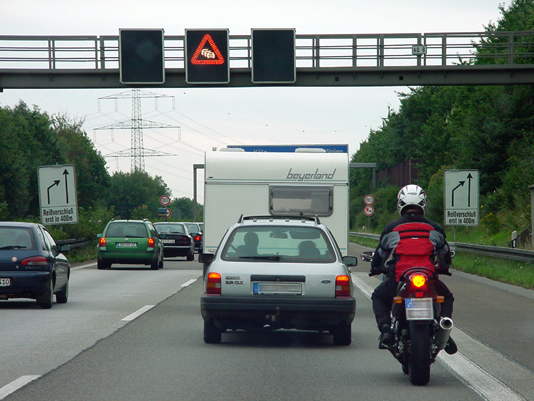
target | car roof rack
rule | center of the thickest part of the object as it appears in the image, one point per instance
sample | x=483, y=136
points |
x=280, y=217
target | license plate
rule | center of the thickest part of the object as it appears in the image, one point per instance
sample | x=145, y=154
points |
x=419, y=308
x=168, y=241
x=267, y=288
x=126, y=245
x=5, y=282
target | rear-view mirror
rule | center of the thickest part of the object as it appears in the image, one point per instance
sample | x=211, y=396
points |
x=305, y=233
x=350, y=261
x=99, y=236
x=206, y=258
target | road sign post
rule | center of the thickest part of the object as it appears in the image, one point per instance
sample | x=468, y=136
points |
x=273, y=56
x=141, y=57
x=206, y=56
x=462, y=198
x=57, y=194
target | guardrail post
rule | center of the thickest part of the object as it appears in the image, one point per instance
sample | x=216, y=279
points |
x=354, y=52
x=510, y=48
x=102, y=54
x=444, y=50
x=532, y=214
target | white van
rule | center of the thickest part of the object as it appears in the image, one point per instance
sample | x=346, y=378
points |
x=308, y=182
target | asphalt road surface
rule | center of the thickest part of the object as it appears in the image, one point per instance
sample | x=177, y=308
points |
x=84, y=350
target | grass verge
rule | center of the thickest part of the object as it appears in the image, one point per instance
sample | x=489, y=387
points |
x=84, y=254
x=506, y=271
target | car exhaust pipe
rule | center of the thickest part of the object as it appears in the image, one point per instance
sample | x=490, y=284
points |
x=442, y=335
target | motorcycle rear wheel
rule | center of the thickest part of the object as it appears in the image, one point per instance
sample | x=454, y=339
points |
x=419, y=360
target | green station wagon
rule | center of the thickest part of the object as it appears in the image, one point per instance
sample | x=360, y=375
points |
x=130, y=242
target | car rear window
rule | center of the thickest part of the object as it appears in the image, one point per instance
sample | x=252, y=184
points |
x=16, y=238
x=132, y=230
x=279, y=243
x=192, y=228
x=170, y=228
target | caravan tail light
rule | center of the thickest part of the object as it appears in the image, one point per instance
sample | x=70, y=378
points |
x=342, y=286
x=213, y=284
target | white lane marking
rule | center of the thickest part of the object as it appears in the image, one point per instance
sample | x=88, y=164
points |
x=137, y=313
x=16, y=384
x=83, y=266
x=189, y=282
x=484, y=384
x=487, y=386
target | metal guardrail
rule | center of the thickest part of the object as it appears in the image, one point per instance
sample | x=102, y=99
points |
x=74, y=243
x=452, y=49
x=521, y=255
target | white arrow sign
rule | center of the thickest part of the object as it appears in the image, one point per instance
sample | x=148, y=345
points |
x=462, y=197
x=57, y=194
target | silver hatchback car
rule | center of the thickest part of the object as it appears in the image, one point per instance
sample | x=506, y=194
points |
x=278, y=273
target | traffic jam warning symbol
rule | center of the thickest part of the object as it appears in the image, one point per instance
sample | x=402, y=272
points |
x=207, y=52
x=369, y=201
x=206, y=55
x=369, y=210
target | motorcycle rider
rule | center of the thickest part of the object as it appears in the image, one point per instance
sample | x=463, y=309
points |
x=412, y=240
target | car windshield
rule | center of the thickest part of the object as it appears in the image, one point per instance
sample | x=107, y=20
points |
x=16, y=238
x=170, y=228
x=279, y=244
x=132, y=230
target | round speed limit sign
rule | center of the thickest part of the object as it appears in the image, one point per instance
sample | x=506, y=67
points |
x=164, y=200
x=369, y=199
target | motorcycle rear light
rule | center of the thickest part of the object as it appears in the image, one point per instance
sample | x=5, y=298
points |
x=418, y=280
x=213, y=284
x=440, y=299
x=419, y=294
x=151, y=242
x=35, y=262
x=342, y=286
x=397, y=300
x=102, y=241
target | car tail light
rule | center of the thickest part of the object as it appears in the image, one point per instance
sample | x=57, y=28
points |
x=197, y=238
x=343, y=286
x=418, y=280
x=102, y=241
x=151, y=242
x=213, y=284
x=34, y=263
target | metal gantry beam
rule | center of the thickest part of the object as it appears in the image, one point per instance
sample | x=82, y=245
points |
x=450, y=58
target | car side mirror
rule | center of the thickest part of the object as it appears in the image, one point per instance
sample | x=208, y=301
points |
x=64, y=248
x=99, y=236
x=206, y=258
x=350, y=261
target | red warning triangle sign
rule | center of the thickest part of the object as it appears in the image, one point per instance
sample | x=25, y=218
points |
x=207, y=52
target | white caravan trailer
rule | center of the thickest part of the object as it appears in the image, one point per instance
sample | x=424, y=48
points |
x=307, y=181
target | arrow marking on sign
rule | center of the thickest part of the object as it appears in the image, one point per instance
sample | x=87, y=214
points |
x=65, y=174
x=461, y=183
x=56, y=182
x=469, y=177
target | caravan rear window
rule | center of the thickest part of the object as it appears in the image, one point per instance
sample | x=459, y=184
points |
x=290, y=201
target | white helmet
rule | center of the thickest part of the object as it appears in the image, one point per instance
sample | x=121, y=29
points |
x=411, y=195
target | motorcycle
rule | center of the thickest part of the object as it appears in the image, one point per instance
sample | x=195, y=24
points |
x=419, y=330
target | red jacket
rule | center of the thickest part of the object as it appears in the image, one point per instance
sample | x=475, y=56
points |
x=412, y=241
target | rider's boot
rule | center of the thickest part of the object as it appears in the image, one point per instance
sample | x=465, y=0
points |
x=386, y=338
x=451, y=347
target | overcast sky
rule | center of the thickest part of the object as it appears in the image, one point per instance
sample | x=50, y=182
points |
x=216, y=117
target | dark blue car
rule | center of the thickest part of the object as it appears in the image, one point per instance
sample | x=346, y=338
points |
x=31, y=264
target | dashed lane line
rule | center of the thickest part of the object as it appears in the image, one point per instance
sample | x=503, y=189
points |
x=137, y=313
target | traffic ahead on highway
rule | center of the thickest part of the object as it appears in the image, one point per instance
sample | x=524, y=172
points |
x=320, y=250
x=276, y=288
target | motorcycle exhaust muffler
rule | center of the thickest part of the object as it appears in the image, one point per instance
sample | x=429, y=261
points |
x=442, y=336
